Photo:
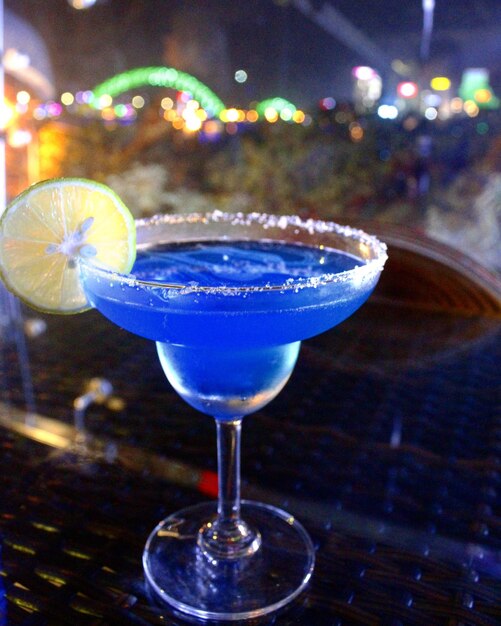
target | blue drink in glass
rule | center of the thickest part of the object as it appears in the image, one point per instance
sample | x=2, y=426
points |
x=228, y=298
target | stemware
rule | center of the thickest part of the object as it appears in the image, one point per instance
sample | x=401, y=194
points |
x=228, y=298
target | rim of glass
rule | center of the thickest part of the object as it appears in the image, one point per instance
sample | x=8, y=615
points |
x=265, y=221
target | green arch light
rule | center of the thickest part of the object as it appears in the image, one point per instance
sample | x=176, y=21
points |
x=282, y=106
x=158, y=77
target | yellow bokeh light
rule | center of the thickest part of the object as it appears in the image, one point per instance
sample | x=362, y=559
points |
x=67, y=98
x=108, y=114
x=193, y=123
x=271, y=115
x=440, y=83
x=137, y=102
x=231, y=115
x=298, y=117
x=286, y=114
x=178, y=123
x=483, y=95
x=166, y=103
x=7, y=114
x=471, y=108
x=105, y=101
x=170, y=115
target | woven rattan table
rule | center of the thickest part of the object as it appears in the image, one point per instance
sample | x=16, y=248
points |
x=386, y=443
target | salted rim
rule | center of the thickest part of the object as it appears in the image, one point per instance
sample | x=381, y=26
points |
x=266, y=221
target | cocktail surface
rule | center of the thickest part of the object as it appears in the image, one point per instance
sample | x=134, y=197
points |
x=232, y=292
x=238, y=263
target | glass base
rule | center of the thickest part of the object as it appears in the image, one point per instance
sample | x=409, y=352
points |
x=181, y=575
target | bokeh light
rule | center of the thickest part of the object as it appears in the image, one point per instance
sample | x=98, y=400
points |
x=362, y=72
x=407, y=89
x=271, y=115
x=23, y=97
x=431, y=113
x=356, y=132
x=241, y=76
x=327, y=104
x=138, y=102
x=7, y=114
x=105, y=101
x=483, y=95
x=19, y=138
x=387, y=112
x=166, y=103
x=81, y=4
x=67, y=98
x=471, y=108
x=440, y=83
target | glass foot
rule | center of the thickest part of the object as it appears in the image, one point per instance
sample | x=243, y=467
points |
x=181, y=575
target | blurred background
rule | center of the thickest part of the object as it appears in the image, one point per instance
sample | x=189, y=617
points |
x=343, y=110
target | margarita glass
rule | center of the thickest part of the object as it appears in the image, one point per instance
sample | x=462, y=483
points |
x=228, y=298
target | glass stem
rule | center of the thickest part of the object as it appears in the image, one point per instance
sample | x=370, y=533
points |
x=228, y=459
x=227, y=536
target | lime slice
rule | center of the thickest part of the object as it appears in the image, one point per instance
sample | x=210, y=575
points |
x=48, y=227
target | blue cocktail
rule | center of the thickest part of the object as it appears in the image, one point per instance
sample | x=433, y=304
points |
x=228, y=298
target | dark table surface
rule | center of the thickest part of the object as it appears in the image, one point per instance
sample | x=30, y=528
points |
x=386, y=443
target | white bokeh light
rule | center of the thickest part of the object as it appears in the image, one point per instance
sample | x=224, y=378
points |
x=240, y=76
